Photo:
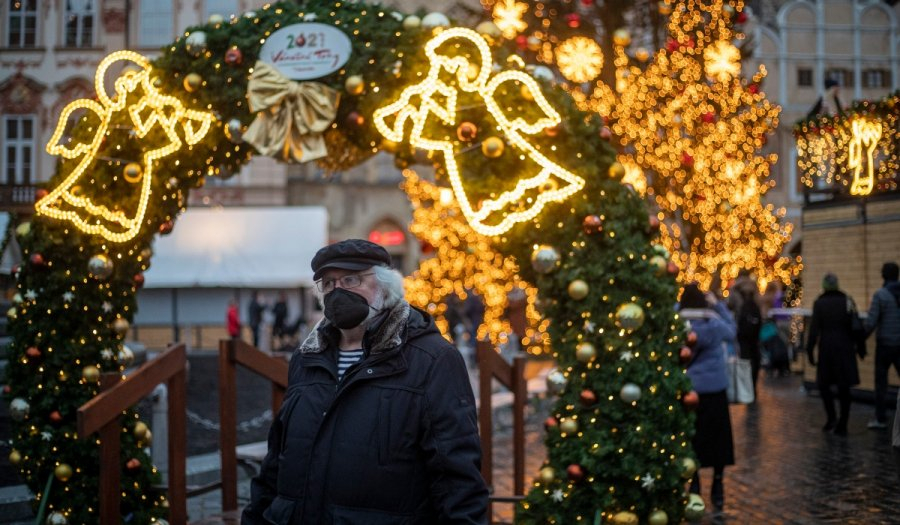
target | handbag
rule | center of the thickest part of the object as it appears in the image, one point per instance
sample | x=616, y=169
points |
x=740, y=381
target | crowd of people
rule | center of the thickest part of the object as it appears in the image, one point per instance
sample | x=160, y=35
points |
x=745, y=326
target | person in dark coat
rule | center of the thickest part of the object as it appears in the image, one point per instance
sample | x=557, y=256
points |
x=749, y=321
x=279, y=323
x=254, y=316
x=378, y=425
x=884, y=320
x=714, y=325
x=831, y=328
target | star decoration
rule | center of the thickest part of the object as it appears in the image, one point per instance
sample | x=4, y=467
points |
x=627, y=355
x=31, y=295
x=558, y=495
x=106, y=354
x=107, y=306
x=311, y=17
x=508, y=17
x=589, y=326
x=68, y=296
x=46, y=436
x=647, y=481
x=723, y=61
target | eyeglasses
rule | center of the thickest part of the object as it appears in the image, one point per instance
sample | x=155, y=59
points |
x=348, y=281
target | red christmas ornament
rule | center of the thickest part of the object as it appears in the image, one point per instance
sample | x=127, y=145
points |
x=167, y=227
x=671, y=45
x=691, y=400
x=690, y=44
x=587, y=397
x=685, y=354
x=592, y=224
x=33, y=352
x=467, y=131
x=354, y=119
x=687, y=160
x=672, y=268
x=587, y=2
x=753, y=88
x=575, y=472
x=426, y=248
x=6, y=389
x=55, y=416
x=40, y=193
x=139, y=280
x=36, y=259
x=605, y=133
x=552, y=131
x=573, y=20
x=234, y=57
x=522, y=41
x=741, y=18
x=551, y=422
x=133, y=464
x=691, y=339
x=708, y=117
x=653, y=221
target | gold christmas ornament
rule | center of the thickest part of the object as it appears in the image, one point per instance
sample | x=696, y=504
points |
x=192, y=82
x=621, y=37
x=23, y=229
x=121, y=326
x=63, y=472
x=547, y=474
x=578, y=289
x=215, y=19
x=412, y=22
x=100, y=267
x=492, y=147
x=15, y=457
x=616, y=170
x=544, y=259
x=488, y=28
x=355, y=85
x=642, y=54
x=625, y=518
x=90, y=374
x=533, y=43
x=140, y=430
x=695, y=508
x=133, y=172
x=658, y=517
x=659, y=264
x=585, y=352
x=629, y=316
x=688, y=468
x=568, y=425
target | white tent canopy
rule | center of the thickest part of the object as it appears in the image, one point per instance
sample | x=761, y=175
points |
x=239, y=248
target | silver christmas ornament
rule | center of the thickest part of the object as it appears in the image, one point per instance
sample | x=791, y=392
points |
x=18, y=409
x=195, y=43
x=630, y=392
x=544, y=259
x=100, y=267
x=556, y=381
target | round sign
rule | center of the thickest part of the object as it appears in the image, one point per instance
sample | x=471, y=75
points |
x=306, y=51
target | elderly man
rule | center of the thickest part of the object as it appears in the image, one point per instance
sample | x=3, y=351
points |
x=378, y=425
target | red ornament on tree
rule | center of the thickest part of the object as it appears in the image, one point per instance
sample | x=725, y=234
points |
x=550, y=422
x=575, y=472
x=467, y=131
x=741, y=18
x=133, y=464
x=573, y=20
x=55, y=416
x=587, y=397
x=6, y=389
x=139, y=280
x=33, y=352
x=709, y=117
x=653, y=223
x=592, y=224
x=234, y=57
x=605, y=133
x=552, y=131
x=753, y=88
x=685, y=354
x=687, y=160
x=672, y=268
x=522, y=41
x=691, y=400
x=691, y=339
x=587, y=2
x=36, y=259
x=167, y=227
x=40, y=193
x=355, y=120
x=671, y=45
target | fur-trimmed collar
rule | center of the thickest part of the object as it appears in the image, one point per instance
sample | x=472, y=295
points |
x=388, y=334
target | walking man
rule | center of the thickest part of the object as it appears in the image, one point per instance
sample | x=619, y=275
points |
x=884, y=320
x=379, y=424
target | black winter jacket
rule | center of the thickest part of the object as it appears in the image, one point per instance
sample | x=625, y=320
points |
x=831, y=327
x=395, y=442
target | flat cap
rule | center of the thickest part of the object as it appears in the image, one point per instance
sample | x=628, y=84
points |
x=352, y=254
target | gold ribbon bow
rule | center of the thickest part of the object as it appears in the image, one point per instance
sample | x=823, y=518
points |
x=291, y=116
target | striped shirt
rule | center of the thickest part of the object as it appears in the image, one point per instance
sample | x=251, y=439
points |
x=346, y=359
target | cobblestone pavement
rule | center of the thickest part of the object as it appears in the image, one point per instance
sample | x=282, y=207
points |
x=787, y=471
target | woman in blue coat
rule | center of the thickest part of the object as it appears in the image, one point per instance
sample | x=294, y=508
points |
x=714, y=325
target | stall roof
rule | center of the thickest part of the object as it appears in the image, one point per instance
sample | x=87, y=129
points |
x=239, y=248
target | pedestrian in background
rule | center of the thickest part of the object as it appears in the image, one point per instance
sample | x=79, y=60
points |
x=379, y=423
x=884, y=320
x=254, y=316
x=714, y=325
x=749, y=321
x=280, y=311
x=832, y=328
x=233, y=320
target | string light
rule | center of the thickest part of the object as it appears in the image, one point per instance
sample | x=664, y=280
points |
x=865, y=134
x=508, y=17
x=166, y=111
x=512, y=129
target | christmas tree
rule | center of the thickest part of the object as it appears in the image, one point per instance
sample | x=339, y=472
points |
x=689, y=125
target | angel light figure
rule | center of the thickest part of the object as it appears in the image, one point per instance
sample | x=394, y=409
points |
x=65, y=202
x=439, y=98
x=866, y=135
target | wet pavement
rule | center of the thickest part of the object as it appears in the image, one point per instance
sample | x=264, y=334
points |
x=787, y=471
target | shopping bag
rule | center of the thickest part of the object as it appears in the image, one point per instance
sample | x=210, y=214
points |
x=740, y=381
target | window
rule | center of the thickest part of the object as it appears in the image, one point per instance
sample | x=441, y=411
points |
x=876, y=78
x=79, y=31
x=226, y=8
x=804, y=77
x=843, y=77
x=18, y=150
x=22, y=23
x=156, y=25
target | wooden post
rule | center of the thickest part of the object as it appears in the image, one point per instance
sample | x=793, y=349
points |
x=177, y=386
x=110, y=463
x=520, y=393
x=228, y=423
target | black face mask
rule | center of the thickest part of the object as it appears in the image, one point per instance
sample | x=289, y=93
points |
x=346, y=309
